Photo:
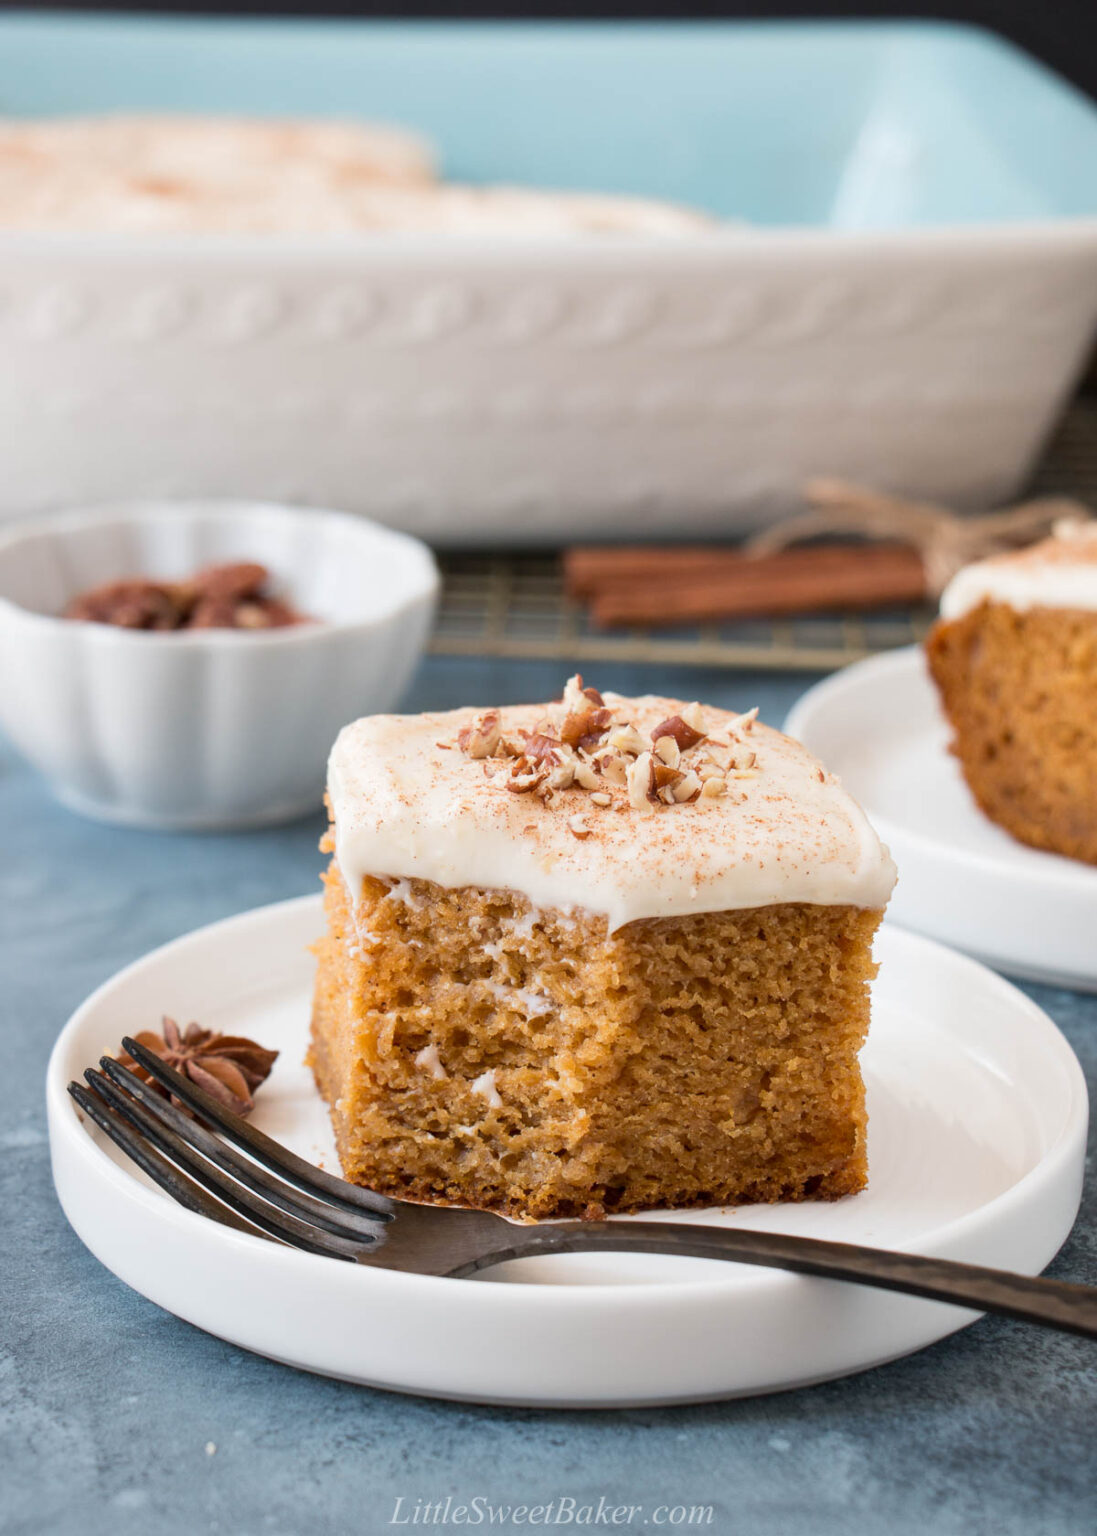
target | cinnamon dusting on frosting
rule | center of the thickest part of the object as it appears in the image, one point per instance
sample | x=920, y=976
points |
x=583, y=743
x=1057, y=572
x=591, y=802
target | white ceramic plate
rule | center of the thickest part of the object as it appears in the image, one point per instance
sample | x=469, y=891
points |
x=977, y=1138
x=878, y=726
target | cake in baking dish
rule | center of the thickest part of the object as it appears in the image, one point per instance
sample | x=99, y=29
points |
x=167, y=174
x=594, y=956
x=157, y=174
x=1014, y=658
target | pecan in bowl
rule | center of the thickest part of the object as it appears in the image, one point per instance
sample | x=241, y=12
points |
x=235, y=595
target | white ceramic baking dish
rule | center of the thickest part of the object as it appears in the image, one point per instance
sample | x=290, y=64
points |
x=908, y=302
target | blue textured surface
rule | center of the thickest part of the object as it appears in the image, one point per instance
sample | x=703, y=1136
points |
x=107, y=1404
x=850, y=125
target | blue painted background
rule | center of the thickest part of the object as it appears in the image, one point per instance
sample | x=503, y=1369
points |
x=107, y=1404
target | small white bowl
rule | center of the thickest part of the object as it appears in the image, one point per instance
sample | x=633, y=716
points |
x=203, y=728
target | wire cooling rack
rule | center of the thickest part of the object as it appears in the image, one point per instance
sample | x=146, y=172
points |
x=515, y=605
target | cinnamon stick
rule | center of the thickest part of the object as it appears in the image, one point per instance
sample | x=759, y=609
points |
x=661, y=591
x=589, y=566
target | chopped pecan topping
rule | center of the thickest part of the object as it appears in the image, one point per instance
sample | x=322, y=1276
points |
x=664, y=780
x=585, y=727
x=719, y=754
x=586, y=775
x=688, y=788
x=583, y=743
x=679, y=731
x=613, y=767
x=543, y=747
x=666, y=749
x=525, y=777
x=562, y=776
x=481, y=738
x=575, y=693
x=641, y=780
x=626, y=738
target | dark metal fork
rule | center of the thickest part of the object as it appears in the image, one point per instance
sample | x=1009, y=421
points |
x=225, y=1169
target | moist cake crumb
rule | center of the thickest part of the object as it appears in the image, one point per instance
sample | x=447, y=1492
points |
x=666, y=1011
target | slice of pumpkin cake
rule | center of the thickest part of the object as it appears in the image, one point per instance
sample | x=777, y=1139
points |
x=1014, y=658
x=594, y=956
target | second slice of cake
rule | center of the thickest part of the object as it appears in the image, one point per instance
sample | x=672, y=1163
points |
x=594, y=956
x=1014, y=658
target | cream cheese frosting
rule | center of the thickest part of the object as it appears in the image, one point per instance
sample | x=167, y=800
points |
x=1058, y=572
x=177, y=175
x=214, y=150
x=310, y=204
x=408, y=802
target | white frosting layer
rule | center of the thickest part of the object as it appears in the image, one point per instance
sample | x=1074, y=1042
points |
x=212, y=150
x=405, y=806
x=165, y=175
x=1059, y=572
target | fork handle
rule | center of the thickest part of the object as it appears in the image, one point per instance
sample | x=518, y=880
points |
x=1052, y=1303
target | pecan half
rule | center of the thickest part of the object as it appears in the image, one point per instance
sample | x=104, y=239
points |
x=680, y=731
x=129, y=604
x=242, y=578
x=218, y=597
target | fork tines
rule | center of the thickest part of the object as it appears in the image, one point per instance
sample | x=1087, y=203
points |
x=220, y=1166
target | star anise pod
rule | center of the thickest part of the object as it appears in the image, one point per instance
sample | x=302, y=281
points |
x=226, y=1066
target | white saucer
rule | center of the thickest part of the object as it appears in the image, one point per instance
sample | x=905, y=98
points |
x=962, y=879
x=978, y=1120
